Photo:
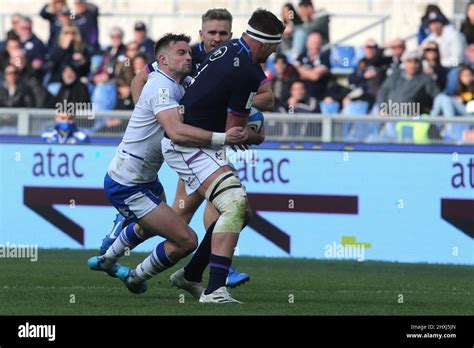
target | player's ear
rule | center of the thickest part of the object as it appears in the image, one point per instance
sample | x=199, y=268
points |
x=163, y=60
x=231, y=35
x=200, y=33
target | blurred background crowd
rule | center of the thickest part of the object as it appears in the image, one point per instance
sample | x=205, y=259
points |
x=307, y=74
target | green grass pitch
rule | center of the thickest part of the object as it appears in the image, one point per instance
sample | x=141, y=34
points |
x=59, y=283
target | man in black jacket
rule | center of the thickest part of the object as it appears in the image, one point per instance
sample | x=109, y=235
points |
x=72, y=89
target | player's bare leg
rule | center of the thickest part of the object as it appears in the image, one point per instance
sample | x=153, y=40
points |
x=163, y=221
x=189, y=278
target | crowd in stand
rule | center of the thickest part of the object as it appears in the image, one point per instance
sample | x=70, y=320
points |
x=74, y=66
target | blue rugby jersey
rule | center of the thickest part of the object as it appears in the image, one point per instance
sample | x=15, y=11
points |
x=227, y=81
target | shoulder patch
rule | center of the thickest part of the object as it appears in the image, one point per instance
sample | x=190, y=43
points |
x=163, y=95
x=218, y=54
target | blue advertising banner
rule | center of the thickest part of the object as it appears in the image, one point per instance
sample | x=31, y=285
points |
x=405, y=207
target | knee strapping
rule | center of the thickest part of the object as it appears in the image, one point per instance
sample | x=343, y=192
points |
x=230, y=199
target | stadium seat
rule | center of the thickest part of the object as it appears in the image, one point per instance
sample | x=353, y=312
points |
x=343, y=59
x=104, y=96
x=329, y=108
x=358, y=131
x=54, y=88
x=455, y=132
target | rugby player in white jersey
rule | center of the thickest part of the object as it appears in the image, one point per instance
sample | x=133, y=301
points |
x=131, y=182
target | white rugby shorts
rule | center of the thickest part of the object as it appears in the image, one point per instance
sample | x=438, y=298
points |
x=193, y=164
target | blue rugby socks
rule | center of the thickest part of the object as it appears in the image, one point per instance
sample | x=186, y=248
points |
x=127, y=240
x=218, y=274
x=155, y=263
x=195, y=268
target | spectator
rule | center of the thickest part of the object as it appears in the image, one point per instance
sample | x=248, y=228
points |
x=111, y=56
x=313, y=23
x=313, y=67
x=450, y=106
x=29, y=77
x=124, y=69
x=409, y=85
x=65, y=131
x=13, y=93
x=11, y=45
x=432, y=64
x=285, y=75
x=469, y=55
x=298, y=102
x=51, y=12
x=86, y=19
x=451, y=43
x=467, y=27
x=145, y=44
x=139, y=63
x=397, y=47
x=70, y=50
x=13, y=32
x=72, y=89
x=369, y=74
x=124, y=96
x=453, y=74
x=34, y=47
x=423, y=30
x=293, y=28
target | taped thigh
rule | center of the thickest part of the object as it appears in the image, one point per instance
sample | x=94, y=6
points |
x=230, y=199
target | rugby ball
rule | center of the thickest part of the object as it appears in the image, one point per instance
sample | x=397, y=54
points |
x=256, y=119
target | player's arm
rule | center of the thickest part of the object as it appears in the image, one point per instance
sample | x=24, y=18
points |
x=264, y=100
x=240, y=101
x=137, y=84
x=186, y=135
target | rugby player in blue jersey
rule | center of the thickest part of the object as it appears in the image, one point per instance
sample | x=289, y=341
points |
x=219, y=98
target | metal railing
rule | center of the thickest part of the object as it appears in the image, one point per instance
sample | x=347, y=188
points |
x=278, y=127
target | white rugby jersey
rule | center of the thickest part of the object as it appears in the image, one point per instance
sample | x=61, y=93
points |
x=138, y=157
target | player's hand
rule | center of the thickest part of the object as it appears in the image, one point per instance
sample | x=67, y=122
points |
x=236, y=135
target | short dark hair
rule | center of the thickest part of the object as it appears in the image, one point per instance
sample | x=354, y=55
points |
x=141, y=55
x=168, y=38
x=282, y=57
x=306, y=3
x=266, y=22
x=219, y=14
x=297, y=81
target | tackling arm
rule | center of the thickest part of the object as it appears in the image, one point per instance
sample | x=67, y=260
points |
x=186, y=135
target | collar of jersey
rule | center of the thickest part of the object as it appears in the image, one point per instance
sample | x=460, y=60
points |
x=163, y=73
x=245, y=47
x=201, y=47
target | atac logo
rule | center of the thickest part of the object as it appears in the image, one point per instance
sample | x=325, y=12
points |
x=219, y=53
